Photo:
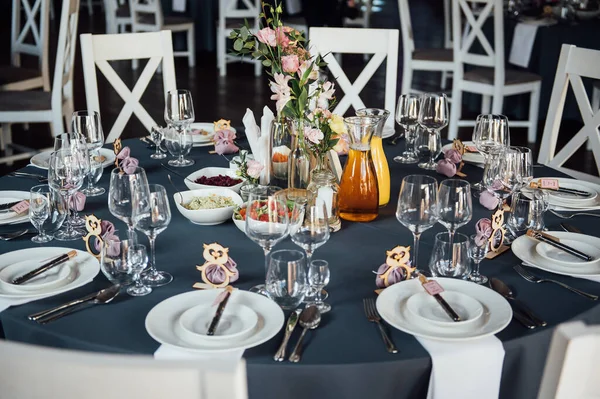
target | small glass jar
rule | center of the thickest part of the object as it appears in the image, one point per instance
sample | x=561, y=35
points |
x=324, y=185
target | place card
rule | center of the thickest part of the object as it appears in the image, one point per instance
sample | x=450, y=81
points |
x=218, y=270
x=550, y=184
x=433, y=287
x=21, y=207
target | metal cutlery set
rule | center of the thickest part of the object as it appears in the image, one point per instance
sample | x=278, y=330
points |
x=309, y=319
x=39, y=178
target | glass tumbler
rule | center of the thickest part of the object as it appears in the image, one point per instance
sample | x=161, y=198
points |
x=526, y=212
x=286, y=281
x=450, y=262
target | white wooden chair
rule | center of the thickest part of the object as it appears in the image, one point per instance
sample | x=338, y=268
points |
x=364, y=15
x=232, y=14
x=489, y=77
x=34, y=26
x=573, y=64
x=34, y=106
x=422, y=59
x=89, y=4
x=35, y=372
x=147, y=16
x=572, y=366
x=98, y=50
x=382, y=43
x=118, y=16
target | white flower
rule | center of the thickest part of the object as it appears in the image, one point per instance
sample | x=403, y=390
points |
x=313, y=135
x=282, y=93
x=254, y=169
x=314, y=73
x=326, y=94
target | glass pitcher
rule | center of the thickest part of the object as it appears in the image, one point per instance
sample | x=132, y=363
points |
x=379, y=160
x=359, y=194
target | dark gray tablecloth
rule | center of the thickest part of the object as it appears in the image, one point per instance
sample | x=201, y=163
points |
x=345, y=357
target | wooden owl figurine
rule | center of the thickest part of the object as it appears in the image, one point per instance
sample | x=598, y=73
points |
x=219, y=270
x=396, y=267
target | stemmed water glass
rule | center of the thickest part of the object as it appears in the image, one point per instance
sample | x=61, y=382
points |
x=136, y=258
x=179, y=114
x=454, y=206
x=157, y=135
x=428, y=145
x=121, y=196
x=433, y=116
x=87, y=125
x=504, y=174
x=47, y=212
x=417, y=207
x=407, y=116
x=65, y=175
x=309, y=228
x=151, y=215
x=318, y=278
x=267, y=223
x=478, y=248
x=491, y=136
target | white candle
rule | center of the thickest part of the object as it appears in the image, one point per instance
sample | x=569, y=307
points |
x=326, y=194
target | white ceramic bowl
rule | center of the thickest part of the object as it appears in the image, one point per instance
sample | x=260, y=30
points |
x=425, y=308
x=562, y=258
x=53, y=278
x=207, y=217
x=211, y=172
x=240, y=224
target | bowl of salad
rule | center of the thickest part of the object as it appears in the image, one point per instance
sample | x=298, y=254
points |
x=214, y=177
x=207, y=207
x=239, y=214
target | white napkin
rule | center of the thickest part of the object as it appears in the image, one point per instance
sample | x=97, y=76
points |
x=586, y=277
x=252, y=131
x=179, y=5
x=7, y=215
x=264, y=143
x=6, y=303
x=225, y=361
x=293, y=6
x=479, y=359
x=522, y=44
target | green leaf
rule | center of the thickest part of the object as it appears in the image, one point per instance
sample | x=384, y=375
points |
x=244, y=33
x=302, y=100
x=266, y=63
x=238, y=44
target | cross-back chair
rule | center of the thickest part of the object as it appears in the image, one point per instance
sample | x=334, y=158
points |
x=489, y=75
x=381, y=43
x=573, y=65
x=98, y=50
x=118, y=16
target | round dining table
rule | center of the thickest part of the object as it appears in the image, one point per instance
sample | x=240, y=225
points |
x=345, y=356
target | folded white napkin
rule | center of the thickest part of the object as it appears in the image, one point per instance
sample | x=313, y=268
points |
x=522, y=44
x=7, y=215
x=179, y=5
x=265, y=142
x=252, y=131
x=225, y=361
x=591, y=278
x=481, y=360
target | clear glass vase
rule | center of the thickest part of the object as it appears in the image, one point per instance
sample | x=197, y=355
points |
x=299, y=159
x=324, y=185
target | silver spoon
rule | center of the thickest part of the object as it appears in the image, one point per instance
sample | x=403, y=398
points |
x=177, y=173
x=309, y=319
x=14, y=234
x=103, y=297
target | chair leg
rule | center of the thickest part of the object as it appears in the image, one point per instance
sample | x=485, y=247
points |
x=134, y=64
x=534, y=108
x=257, y=68
x=221, y=62
x=191, y=47
x=68, y=109
x=407, y=75
x=56, y=125
x=444, y=80
x=90, y=7
x=455, y=113
x=497, y=103
x=486, y=104
x=5, y=136
x=595, y=108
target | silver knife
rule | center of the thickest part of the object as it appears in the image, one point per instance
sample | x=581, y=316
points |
x=44, y=313
x=289, y=329
x=570, y=228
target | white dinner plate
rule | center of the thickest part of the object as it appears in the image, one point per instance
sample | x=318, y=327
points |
x=471, y=157
x=11, y=217
x=391, y=304
x=55, y=277
x=562, y=202
x=204, y=139
x=425, y=307
x=162, y=319
x=553, y=254
x=84, y=268
x=388, y=131
x=524, y=248
x=42, y=159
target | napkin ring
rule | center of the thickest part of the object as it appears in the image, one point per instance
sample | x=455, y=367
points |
x=94, y=229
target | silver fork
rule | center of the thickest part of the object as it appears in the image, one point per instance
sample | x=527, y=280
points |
x=527, y=275
x=373, y=317
x=573, y=214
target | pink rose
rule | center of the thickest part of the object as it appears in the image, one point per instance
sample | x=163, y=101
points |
x=124, y=153
x=483, y=230
x=488, y=200
x=282, y=38
x=313, y=135
x=254, y=169
x=129, y=165
x=290, y=63
x=453, y=156
x=446, y=167
x=77, y=201
x=267, y=36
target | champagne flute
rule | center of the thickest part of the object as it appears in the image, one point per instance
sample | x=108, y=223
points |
x=151, y=215
x=179, y=113
x=490, y=136
x=65, y=175
x=267, y=223
x=454, y=206
x=157, y=135
x=478, y=248
x=429, y=146
x=417, y=207
x=87, y=124
x=39, y=210
x=407, y=116
x=121, y=196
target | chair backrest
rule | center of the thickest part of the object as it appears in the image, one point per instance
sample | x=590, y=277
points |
x=470, y=18
x=146, y=15
x=573, y=64
x=28, y=371
x=30, y=36
x=408, y=41
x=97, y=50
x=248, y=9
x=572, y=366
x=382, y=43
x=62, y=85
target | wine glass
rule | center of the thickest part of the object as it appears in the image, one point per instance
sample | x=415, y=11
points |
x=39, y=210
x=78, y=145
x=433, y=113
x=157, y=136
x=123, y=187
x=417, y=207
x=309, y=228
x=151, y=215
x=429, y=145
x=503, y=175
x=179, y=113
x=478, y=248
x=454, y=206
x=285, y=278
x=65, y=175
x=407, y=116
x=450, y=259
x=267, y=223
x=136, y=258
x=490, y=136
x=525, y=158
x=318, y=278
x=87, y=125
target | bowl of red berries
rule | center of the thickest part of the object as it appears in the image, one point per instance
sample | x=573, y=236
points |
x=214, y=177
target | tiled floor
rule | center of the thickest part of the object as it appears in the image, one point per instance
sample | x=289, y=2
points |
x=228, y=97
